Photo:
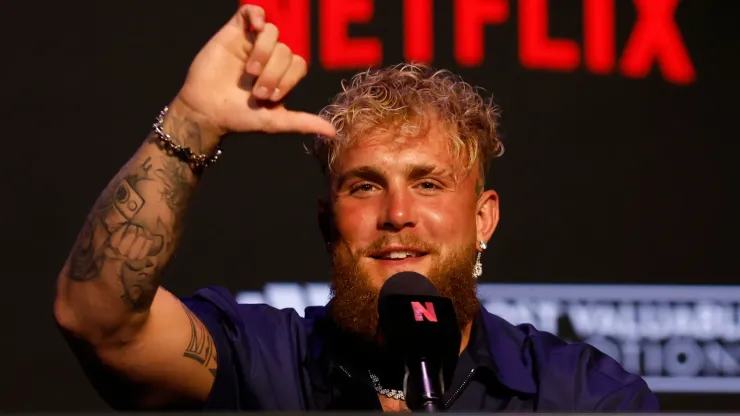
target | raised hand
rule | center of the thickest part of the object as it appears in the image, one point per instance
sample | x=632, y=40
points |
x=237, y=81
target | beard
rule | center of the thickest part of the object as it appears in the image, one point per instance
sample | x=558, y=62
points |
x=354, y=303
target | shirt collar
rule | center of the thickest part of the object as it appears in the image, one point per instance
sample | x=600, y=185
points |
x=494, y=344
x=497, y=345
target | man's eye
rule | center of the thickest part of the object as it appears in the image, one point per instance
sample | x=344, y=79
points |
x=428, y=185
x=364, y=187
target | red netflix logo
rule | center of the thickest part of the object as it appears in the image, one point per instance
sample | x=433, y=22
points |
x=655, y=38
x=425, y=311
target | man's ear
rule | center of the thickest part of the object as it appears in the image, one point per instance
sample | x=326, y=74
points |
x=487, y=215
x=326, y=221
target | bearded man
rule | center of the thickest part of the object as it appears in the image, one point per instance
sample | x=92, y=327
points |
x=404, y=150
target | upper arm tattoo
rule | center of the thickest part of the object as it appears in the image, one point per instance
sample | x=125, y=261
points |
x=201, y=347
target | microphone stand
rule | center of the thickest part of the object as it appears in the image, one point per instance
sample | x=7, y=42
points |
x=429, y=396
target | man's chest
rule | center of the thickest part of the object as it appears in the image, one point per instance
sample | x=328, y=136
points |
x=474, y=396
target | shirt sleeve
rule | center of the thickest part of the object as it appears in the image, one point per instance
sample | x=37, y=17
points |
x=578, y=377
x=259, y=350
x=634, y=397
x=224, y=394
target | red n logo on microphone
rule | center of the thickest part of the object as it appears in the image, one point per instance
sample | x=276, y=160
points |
x=425, y=311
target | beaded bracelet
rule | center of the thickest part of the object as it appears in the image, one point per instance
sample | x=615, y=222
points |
x=196, y=162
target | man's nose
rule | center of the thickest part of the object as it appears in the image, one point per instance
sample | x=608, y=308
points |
x=398, y=211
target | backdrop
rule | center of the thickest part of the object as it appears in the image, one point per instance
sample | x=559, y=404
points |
x=619, y=120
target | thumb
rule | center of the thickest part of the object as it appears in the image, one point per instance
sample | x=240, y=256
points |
x=306, y=123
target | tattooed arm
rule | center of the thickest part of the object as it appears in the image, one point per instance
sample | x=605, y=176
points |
x=139, y=338
x=109, y=301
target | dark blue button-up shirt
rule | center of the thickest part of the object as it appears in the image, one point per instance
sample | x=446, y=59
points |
x=274, y=360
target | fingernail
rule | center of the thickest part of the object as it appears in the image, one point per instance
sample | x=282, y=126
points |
x=275, y=95
x=261, y=92
x=254, y=68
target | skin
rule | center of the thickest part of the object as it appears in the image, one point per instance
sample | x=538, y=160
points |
x=141, y=346
x=387, y=184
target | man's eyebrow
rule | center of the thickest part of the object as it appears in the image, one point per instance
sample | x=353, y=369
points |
x=365, y=172
x=419, y=171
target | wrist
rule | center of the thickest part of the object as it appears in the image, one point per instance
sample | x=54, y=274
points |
x=190, y=128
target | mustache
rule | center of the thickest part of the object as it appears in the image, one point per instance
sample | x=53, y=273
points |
x=408, y=240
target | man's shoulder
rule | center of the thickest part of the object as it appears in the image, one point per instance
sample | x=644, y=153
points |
x=217, y=303
x=569, y=369
x=260, y=350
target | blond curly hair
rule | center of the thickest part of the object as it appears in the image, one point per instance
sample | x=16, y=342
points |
x=409, y=98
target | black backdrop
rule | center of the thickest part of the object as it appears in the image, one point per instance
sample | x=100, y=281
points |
x=606, y=178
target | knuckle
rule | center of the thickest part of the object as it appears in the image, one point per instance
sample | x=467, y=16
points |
x=268, y=81
x=257, y=10
x=272, y=30
x=299, y=61
x=283, y=49
x=260, y=53
x=300, y=64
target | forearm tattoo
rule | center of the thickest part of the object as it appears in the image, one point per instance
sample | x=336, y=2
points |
x=134, y=225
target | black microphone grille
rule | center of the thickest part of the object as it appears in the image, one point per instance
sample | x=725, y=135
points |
x=408, y=283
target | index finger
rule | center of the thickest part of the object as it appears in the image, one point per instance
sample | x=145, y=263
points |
x=253, y=16
x=306, y=123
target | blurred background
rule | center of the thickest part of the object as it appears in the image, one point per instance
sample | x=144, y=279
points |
x=617, y=187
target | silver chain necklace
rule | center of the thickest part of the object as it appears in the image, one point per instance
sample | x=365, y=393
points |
x=393, y=394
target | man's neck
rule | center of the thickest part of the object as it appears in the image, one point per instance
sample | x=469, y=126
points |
x=465, y=336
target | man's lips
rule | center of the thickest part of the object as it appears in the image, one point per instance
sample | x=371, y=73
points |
x=394, y=263
x=398, y=254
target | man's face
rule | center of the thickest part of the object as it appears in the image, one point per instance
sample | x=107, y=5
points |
x=405, y=204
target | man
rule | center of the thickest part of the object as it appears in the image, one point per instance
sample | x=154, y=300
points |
x=404, y=151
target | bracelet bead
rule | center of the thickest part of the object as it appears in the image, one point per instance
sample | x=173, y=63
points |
x=196, y=161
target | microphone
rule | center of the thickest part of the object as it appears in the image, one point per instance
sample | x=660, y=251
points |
x=420, y=326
